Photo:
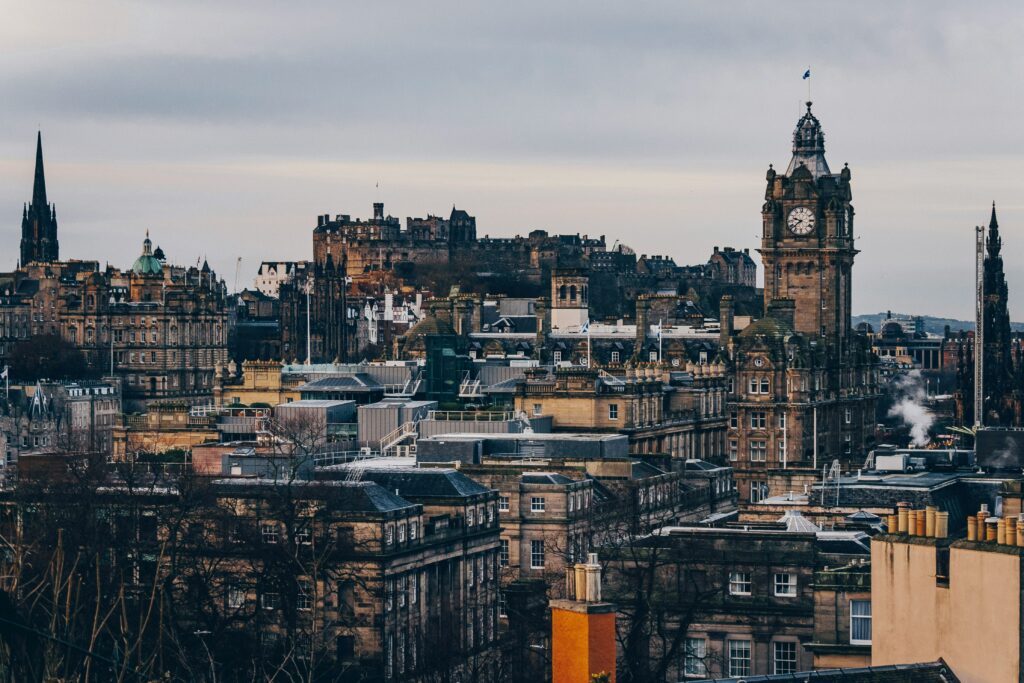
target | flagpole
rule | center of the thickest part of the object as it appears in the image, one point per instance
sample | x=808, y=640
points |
x=589, y=353
x=659, y=339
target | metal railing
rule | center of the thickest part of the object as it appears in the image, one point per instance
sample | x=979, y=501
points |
x=471, y=415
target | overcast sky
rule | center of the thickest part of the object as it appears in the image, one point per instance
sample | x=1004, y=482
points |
x=225, y=127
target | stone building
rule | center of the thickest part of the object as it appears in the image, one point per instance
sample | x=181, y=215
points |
x=742, y=597
x=683, y=417
x=161, y=329
x=733, y=266
x=804, y=383
x=349, y=580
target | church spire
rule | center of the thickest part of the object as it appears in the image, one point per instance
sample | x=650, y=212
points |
x=995, y=243
x=39, y=219
x=39, y=185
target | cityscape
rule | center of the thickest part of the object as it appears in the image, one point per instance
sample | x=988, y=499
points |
x=432, y=449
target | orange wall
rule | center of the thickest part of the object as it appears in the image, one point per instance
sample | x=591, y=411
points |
x=581, y=645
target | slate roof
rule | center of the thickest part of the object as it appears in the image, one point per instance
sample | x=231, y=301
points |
x=415, y=482
x=930, y=672
x=357, y=496
x=546, y=478
x=357, y=382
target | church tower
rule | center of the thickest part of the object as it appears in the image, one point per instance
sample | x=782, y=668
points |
x=807, y=242
x=39, y=219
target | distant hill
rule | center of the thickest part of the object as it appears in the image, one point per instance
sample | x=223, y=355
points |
x=932, y=324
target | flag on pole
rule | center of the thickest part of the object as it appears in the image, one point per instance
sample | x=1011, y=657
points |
x=3, y=375
x=585, y=328
x=807, y=74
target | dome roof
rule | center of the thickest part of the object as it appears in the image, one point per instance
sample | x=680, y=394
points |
x=147, y=264
x=769, y=326
x=429, y=327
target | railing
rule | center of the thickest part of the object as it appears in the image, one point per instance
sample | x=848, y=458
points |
x=397, y=436
x=342, y=457
x=471, y=415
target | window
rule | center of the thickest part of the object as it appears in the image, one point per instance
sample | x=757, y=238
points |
x=556, y=356
x=764, y=385
x=503, y=503
x=401, y=533
x=538, y=408
x=536, y=504
x=848, y=416
x=236, y=598
x=757, y=419
x=733, y=421
x=615, y=356
x=782, y=420
x=470, y=576
x=785, y=658
x=270, y=601
x=860, y=622
x=782, y=451
x=754, y=385
x=502, y=604
x=739, y=658
x=389, y=534
x=302, y=536
x=653, y=356
x=613, y=411
x=414, y=528
x=304, y=599
x=785, y=586
x=470, y=517
x=490, y=513
x=572, y=503
x=268, y=530
x=733, y=450
x=403, y=590
x=758, y=451
x=536, y=554
x=503, y=553
x=758, y=491
x=739, y=583
x=414, y=589
x=696, y=651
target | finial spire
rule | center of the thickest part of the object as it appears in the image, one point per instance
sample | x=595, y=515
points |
x=39, y=184
x=993, y=223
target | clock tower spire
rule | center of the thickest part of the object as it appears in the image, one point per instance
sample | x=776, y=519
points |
x=807, y=241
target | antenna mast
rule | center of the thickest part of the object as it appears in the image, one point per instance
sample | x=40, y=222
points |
x=979, y=327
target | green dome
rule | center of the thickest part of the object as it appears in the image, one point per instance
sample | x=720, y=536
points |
x=147, y=264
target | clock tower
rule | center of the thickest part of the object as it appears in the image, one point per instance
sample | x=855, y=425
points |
x=807, y=243
x=804, y=384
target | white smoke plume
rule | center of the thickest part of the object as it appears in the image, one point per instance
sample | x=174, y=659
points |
x=908, y=404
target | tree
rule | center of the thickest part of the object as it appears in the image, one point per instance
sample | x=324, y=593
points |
x=47, y=356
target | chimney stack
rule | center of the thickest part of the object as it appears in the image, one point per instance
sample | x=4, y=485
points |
x=582, y=627
x=726, y=312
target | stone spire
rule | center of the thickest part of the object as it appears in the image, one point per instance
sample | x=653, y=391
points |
x=39, y=219
x=809, y=146
x=39, y=184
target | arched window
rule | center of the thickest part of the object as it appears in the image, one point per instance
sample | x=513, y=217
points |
x=572, y=293
x=561, y=292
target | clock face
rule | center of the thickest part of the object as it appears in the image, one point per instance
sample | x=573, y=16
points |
x=800, y=221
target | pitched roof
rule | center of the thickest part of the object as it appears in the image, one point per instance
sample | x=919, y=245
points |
x=928, y=672
x=415, y=482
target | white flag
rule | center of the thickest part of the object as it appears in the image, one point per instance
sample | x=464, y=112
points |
x=3, y=375
x=585, y=327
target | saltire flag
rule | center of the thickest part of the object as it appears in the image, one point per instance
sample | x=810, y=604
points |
x=585, y=327
x=807, y=74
